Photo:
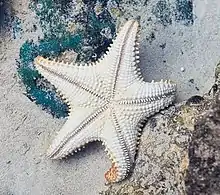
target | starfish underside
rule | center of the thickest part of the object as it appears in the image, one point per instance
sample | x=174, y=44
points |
x=107, y=101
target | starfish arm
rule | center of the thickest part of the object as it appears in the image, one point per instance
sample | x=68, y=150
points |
x=118, y=67
x=129, y=121
x=143, y=92
x=117, y=151
x=146, y=109
x=128, y=70
x=72, y=82
x=81, y=127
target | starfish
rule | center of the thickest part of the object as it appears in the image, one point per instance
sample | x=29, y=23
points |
x=107, y=100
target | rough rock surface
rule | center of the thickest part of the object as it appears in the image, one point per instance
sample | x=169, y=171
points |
x=204, y=150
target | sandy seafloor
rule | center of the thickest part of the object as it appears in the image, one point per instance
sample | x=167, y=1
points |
x=26, y=130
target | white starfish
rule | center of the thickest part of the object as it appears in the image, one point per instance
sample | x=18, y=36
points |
x=107, y=100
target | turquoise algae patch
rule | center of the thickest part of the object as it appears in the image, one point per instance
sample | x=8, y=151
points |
x=37, y=90
x=90, y=38
x=184, y=11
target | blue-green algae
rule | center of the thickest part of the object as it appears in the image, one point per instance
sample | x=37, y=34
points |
x=41, y=94
x=54, y=16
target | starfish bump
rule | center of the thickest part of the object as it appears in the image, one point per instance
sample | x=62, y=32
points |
x=107, y=100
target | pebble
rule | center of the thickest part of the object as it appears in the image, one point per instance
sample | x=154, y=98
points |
x=182, y=69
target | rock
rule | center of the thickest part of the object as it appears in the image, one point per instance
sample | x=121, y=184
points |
x=204, y=149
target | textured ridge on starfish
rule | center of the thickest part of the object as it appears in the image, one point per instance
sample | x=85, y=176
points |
x=107, y=101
